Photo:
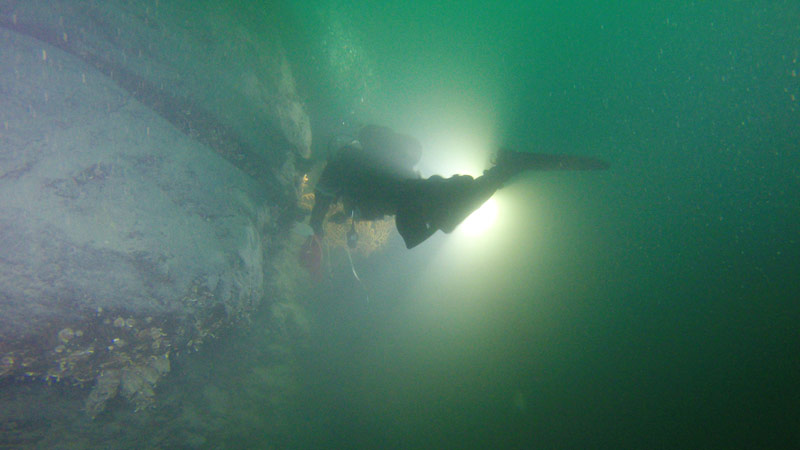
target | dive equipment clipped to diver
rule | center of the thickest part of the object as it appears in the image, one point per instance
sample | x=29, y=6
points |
x=352, y=235
x=352, y=243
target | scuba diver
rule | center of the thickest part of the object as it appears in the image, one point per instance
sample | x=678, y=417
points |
x=374, y=177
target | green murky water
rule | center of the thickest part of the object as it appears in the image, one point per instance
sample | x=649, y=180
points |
x=651, y=306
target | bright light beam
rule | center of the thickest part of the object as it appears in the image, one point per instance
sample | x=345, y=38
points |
x=480, y=220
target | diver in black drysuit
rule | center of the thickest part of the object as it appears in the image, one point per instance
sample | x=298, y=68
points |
x=374, y=177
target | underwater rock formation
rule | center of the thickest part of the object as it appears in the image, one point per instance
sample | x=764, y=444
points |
x=146, y=176
x=215, y=72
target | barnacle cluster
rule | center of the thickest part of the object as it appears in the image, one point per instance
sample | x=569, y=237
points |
x=137, y=350
x=209, y=315
x=120, y=353
x=135, y=381
x=136, y=357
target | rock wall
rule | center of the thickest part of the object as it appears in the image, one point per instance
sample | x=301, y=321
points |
x=215, y=71
x=146, y=180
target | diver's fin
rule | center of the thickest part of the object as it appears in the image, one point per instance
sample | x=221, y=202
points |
x=413, y=227
x=521, y=161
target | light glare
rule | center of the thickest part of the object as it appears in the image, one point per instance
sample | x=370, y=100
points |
x=480, y=220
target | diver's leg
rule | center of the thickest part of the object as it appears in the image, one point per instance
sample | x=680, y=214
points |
x=414, y=217
x=438, y=204
x=464, y=196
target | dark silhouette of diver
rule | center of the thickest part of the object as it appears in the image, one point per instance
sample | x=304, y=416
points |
x=374, y=177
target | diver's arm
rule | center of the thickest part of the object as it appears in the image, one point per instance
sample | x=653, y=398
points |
x=322, y=203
